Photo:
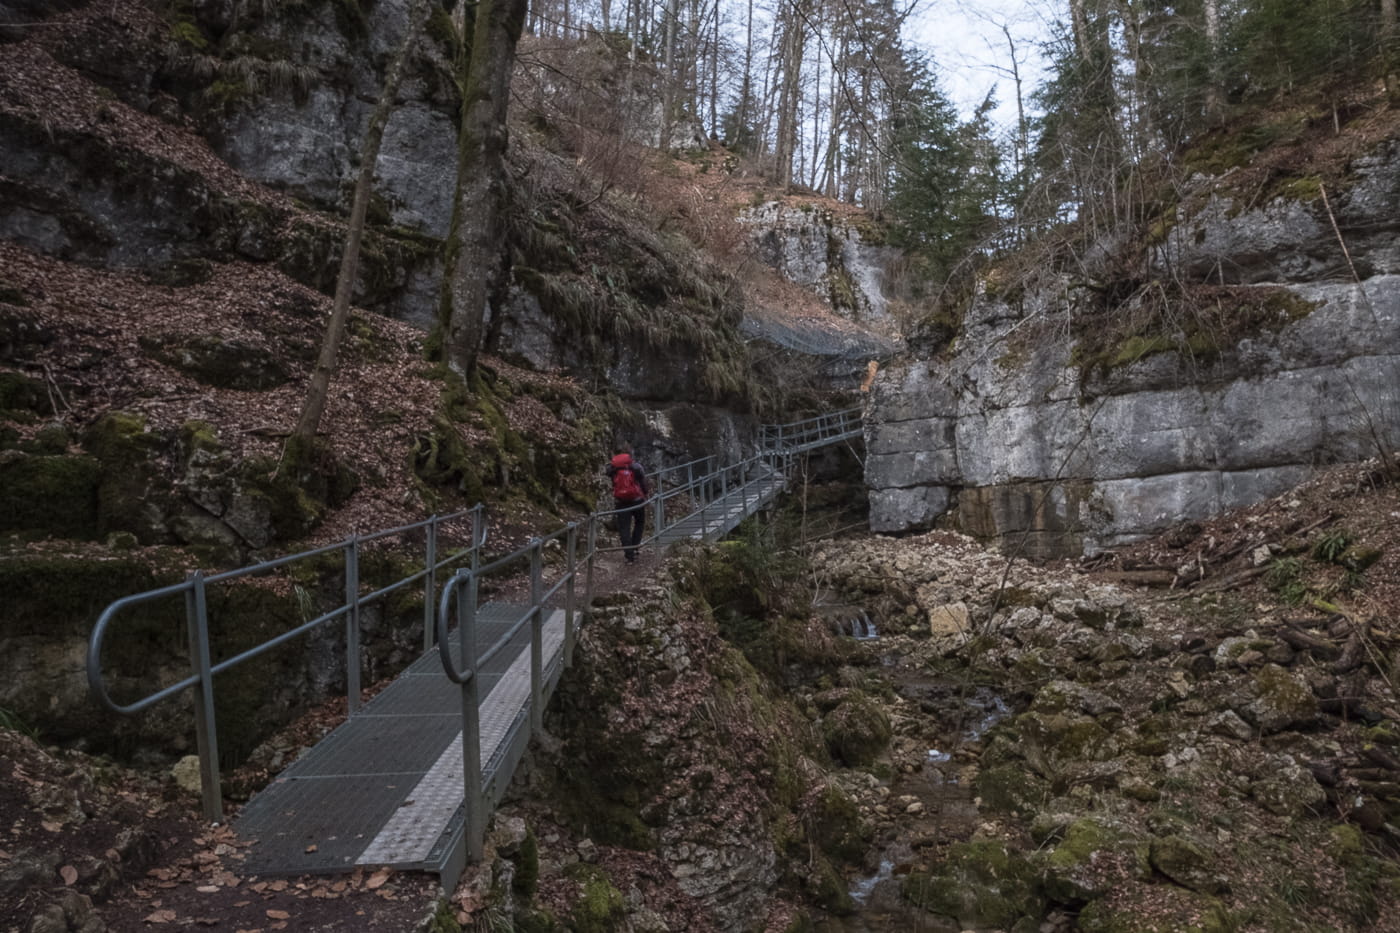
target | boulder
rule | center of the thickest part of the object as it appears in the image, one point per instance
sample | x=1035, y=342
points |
x=1281, y=700
x=982, y=884
x=949, y=623
x=856, y=731
x=1187, y=863
x=1288, y=789
x=1089, y=862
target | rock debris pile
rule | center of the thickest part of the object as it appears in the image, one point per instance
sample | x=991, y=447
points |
x=1216, y=761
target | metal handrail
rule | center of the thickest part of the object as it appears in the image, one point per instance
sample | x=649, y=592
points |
x=202, y=666
x=799, y=434
x=460, y=601
x=704, y=483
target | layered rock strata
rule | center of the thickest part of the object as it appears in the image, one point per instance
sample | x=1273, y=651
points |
x=1022, y=434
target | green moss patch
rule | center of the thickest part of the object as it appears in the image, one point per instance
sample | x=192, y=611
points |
x=1011, y=788
x=981, y=884
x=1201, y=322
x=130, y=493
x=53, y=496
x=19, y=393
x=857, y=731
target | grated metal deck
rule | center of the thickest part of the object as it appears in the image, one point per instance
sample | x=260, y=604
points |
x=385, y=787
x=724, y=515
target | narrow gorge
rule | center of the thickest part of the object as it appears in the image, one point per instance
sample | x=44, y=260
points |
x=1092, y=629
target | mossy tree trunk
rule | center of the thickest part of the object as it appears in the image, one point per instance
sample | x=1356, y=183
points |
x=319, y=388
x=476, y=262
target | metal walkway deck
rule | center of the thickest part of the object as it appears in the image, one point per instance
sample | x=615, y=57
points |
x=385, y=788
x=391, y=785
x=721, y=517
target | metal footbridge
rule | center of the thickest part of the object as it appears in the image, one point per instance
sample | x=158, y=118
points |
x=410, y=778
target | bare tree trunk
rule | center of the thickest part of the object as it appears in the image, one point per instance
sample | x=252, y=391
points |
x=1389, y=32
x=746, y=89
x=1021, y=148
x=839, y=107
x=714, y=76
x=1079, y=26
x=770, y=80
x=811, y=181
x=1215, y=86
x=476, y=253
x=319, y=387
x=790, y=92
x=670, y=75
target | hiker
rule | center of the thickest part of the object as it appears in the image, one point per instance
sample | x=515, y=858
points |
x=630, y=493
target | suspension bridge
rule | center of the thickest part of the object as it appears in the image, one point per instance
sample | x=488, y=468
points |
x=410, y=779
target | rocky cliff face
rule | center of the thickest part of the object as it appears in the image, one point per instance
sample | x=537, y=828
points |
x=1071, y=435
x=827, y=255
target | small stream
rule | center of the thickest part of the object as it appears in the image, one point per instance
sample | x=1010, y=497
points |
x=948, y=812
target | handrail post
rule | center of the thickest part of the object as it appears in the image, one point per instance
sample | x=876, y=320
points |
x=478, y=536
x=352, y=625
x=205, y=730
x=430, y=582
x=571, y=568
x=536, y=638
x=592, y=552
x=473, y=803
x=658, y=522
x=705, y=520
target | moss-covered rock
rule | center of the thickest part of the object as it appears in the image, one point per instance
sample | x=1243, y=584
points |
x=1011, y=788
x=51, y=440
x=221, y=362
x=600, y=907
x=1282, y=700
x=1358, y=557
x=536, y=920
x=20, y=394
x=1187, y=863
x=828, y=888
x=1289, y=789
x=283, y=500
x=835, y=825
x=857, y=731
x=982, y=884
x=131, y=497
x=1089, y=861
x=1156, y=909
x=55, y=496
x=51, y=604
x=1064, y=737
x=527, y=867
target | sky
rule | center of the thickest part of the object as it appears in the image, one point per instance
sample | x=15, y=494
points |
x=971, y=51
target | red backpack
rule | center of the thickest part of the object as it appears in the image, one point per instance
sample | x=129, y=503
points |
x=625, y=487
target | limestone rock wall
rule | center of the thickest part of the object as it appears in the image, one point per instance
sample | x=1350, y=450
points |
x=823, y=253
x=1020, y=440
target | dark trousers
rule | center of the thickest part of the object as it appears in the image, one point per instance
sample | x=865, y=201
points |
x=629, y=525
